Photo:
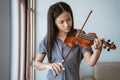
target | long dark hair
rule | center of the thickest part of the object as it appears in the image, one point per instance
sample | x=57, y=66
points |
x=54, y=11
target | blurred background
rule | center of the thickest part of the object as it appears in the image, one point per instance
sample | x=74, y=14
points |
x=104, y=21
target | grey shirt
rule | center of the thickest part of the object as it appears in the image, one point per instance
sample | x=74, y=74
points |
x=60, y=49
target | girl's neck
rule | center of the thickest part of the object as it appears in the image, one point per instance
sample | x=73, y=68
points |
x=62, y=36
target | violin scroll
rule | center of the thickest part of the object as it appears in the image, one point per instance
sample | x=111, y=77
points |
x=109, y=45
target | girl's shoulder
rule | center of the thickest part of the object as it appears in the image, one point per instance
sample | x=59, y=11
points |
x=44, y=40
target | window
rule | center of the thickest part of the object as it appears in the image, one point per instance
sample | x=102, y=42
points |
x=25, y=39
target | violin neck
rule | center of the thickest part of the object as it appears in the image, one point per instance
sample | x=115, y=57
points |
x=87, y=37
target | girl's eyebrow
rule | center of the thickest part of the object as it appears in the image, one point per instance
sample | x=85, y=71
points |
x=66, y=18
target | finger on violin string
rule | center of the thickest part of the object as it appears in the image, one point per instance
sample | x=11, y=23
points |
x=96, y=41
x=96, y=46
x=100, y=42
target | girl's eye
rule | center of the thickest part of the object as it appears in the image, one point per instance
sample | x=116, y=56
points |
x=61, y=22
x=69, y=19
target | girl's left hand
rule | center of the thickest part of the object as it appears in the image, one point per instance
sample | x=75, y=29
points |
x=98, y=43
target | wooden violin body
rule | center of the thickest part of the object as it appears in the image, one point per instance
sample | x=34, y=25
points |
x=85, y=40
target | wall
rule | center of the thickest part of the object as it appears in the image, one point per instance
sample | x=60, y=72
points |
x=5, y=31
x=104, y=21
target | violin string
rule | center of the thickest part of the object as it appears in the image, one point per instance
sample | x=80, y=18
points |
x=87, y=37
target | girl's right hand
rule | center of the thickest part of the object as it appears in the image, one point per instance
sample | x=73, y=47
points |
x=55, y=67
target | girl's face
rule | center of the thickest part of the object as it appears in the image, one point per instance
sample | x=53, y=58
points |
x=64, y=22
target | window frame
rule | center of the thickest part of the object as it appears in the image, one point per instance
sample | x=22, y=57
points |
x=27, y=39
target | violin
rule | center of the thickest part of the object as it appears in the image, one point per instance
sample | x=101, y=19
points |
x=85, y=40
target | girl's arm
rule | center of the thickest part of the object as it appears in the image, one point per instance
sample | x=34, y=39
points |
x=93, y=58
x=39, y=65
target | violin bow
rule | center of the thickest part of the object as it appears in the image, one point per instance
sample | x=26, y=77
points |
x=79, y=32
x=76, y=36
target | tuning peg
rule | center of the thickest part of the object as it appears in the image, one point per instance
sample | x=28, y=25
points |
x=108, y=40
x=112, y=42
x=108, y=49
x=104, y=47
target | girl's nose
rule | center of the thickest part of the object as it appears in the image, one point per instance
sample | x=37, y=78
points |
x=66, y=24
